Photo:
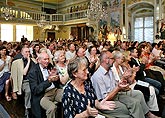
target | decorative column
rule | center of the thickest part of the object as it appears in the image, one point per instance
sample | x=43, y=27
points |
x=14, y=33
x=96, y=12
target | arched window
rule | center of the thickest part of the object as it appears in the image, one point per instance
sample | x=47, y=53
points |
x=143, y=29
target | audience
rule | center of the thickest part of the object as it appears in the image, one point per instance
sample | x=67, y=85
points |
x=129, y=103
x=118, y=71
x=46, y=87
x=141, y=74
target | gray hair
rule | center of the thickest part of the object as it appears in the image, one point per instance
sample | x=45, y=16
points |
x=117, y=54
x=102, y=55
x=57, y=54
x=74, y=65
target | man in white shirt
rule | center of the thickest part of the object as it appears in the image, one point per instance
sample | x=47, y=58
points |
x=44, y=87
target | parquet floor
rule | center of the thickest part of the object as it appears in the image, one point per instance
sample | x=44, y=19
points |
x=14, y=108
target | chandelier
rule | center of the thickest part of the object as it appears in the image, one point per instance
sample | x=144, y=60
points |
x=96, y=11
x=7, y=12
x=42, y=22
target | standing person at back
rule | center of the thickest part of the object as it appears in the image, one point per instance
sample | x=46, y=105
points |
x=19, y=75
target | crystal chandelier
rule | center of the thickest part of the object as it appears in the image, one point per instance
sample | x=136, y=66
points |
x=42, y=22
x=7, y=12
x=96, y=11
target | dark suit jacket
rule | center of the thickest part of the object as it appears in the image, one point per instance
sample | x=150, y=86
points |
x=139, y=74
x=38, y=87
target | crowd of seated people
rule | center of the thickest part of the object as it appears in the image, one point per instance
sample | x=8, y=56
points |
x=88, y=78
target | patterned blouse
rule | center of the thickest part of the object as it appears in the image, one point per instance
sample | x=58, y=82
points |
x=75, y=102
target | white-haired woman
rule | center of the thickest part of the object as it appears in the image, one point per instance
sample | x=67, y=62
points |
x=60, y=62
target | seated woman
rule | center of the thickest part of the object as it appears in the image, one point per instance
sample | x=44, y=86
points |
x=61, y=65
x=93, y=59
x=5, y=64
x=79, y=99
x=36, y=50
x=121, y=66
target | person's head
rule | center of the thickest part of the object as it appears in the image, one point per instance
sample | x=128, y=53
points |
x=106, y=46
x=160, y=45
x=123, y=45
x=36, y=47
x=154, y=45
x=135, y=44
x=126, y=56
x=2, y=50
x=71, y=47
x=43, y=59
x=77, y=69
x=118, y=57
x=51, y=47
x=25, y=52
x=9, y=46
x=133, y=52
x=59, y=56
x=143, y=48
x=43, y=50
x=92, y=50
x=106, y=59
x=80, y=52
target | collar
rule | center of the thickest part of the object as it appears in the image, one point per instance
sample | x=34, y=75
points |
x=42, y=67
x=24, y=59
x=103, y=70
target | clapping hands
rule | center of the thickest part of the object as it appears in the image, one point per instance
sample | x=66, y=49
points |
x=107, y=105
x=91, y=111
x=53, y=75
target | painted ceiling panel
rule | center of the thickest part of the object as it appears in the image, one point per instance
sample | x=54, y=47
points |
x=50, y=1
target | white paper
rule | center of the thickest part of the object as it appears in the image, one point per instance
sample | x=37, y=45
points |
x=142, y=83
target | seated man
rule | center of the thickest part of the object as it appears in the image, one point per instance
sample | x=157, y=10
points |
x=43, y=86
x=130, y=103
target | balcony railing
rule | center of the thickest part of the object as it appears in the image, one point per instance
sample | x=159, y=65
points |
x=34, y=16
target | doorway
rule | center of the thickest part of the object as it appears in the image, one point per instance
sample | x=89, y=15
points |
x=51, y=35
